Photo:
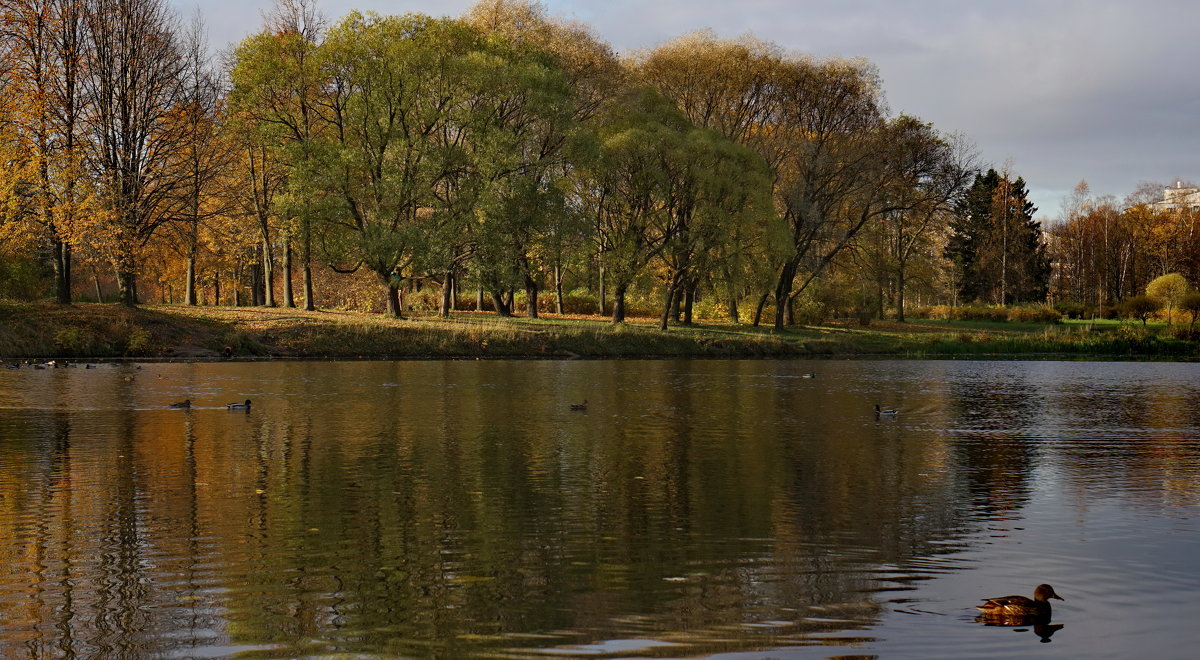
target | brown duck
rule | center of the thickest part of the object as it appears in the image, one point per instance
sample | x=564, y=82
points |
x=1020, y=606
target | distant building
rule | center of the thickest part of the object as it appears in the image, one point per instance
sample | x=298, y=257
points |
x=1180, y=198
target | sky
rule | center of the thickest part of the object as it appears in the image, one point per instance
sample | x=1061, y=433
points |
x=1063, y=90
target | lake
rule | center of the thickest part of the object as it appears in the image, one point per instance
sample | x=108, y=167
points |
x=725, y=509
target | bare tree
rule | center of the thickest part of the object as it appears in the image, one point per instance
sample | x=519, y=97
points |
x=135, y=85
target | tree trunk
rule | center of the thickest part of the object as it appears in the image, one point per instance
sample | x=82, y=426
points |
x=602, y=292
x=309, y=304
x=502, y=308
x=762, y=302
x=268, y=273
x=618, y=313
x=531, y=297
x=289, y=298
x=189, y=285
x=447, y=294
x=62, y=272
x=732, y=308
x=217, y=289
x=900, y=294
x=256, y=285
x=558, y=290
x=668, y=301
x=127, y=288
x=394, y=308
x=479, y=299
x=689, y=300
x=783, y=290
x=96, y=283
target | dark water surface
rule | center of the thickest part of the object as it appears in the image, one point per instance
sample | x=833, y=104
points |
x=696, y=509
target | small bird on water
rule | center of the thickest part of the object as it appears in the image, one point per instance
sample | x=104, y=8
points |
x=579, y=406
x=186, y=403
x=239, y=406
x=885, y=412
x=1021, y=606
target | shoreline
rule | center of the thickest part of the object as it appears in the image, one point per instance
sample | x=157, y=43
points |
x=174, y=333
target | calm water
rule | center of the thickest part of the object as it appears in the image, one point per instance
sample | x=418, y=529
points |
x=696, y=509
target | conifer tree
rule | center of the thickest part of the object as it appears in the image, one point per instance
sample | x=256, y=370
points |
x=996, y=245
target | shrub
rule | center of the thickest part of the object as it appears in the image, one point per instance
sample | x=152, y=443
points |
x=1034, y=314
x=72, y=341
x=980, y=313
x=138, y=341
x=23, y=278
x=1072, y=310
x=1141, y=307
x=1191, y=304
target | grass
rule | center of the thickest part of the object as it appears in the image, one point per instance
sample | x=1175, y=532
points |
x=43, y=330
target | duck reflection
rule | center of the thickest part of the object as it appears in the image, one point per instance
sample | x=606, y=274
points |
x=1041, y=626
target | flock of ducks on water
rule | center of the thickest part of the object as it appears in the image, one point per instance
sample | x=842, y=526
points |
x=187, y=404
x=1002, y=610
x=50, y=364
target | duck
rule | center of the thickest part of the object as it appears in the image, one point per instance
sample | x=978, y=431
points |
x=579, y=406
x=12, y=366
x=1021, y=606
x=186, y=403
x=808, y=375
x=885, y=412
x=239, y=406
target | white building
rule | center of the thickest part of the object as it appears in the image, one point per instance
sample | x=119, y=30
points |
x=1180, y=198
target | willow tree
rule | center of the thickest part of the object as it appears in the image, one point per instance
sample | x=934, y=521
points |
x=274, y=116
x=569, y=74
x=522, y=120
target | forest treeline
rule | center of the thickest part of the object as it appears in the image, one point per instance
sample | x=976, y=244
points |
x=506, y=160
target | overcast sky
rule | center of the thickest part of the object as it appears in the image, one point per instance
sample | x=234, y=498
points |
x=1102, y=90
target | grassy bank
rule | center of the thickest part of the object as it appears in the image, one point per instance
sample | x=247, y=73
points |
x=43, y=330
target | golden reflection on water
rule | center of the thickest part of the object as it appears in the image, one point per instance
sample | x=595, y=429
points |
x=454, y=509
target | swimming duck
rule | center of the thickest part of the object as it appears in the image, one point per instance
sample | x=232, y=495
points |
x=579, y=406
x=1020, y=606
x=885, y=412
x=808, y=375
x=186, y=403
x=239, y=406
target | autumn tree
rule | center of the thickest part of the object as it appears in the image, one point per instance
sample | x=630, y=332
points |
x=45, y=42
x=134, y=87
x=202, y=153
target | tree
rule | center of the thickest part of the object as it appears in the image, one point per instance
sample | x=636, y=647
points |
x=134, y=87
x=1141, y=307
x=528, y=220
x=275, y=101
x=626, y=188
x=997, y=245
x=1190, y=303
x=1170, y=289
x=44, y=40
